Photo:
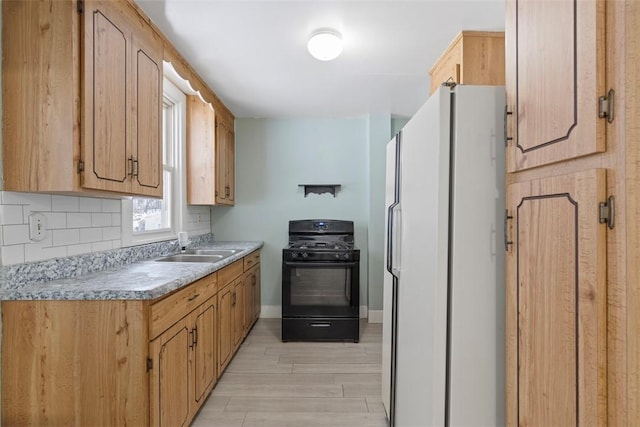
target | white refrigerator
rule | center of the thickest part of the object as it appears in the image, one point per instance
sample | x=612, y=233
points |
x=443, y=320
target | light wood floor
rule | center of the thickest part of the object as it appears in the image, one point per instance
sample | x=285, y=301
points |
x=299, y=384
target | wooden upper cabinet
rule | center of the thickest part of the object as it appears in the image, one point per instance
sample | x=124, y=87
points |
x=82, y=98
x=122, y=89
x=147, y=106
x=472, y=58
x=555, y=60
x=201, y=155
x=225, y=163
x=556, y=302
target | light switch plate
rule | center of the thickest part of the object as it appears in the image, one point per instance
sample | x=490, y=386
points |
x=37, y=227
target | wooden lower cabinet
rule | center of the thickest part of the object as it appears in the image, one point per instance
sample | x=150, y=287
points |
x=81, y=363
x=129, y=362
x=238, y=312
x=556, y=301
x=169, y=392
x=225, y=325
x=251, y=297
x=183, y=367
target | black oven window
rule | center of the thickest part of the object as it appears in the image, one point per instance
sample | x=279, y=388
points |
x=327, y=286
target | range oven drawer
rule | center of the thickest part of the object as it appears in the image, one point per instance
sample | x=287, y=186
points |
x=321, y=329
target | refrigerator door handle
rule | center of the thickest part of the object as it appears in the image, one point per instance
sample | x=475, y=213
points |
x=390, y=235
x=397, y=242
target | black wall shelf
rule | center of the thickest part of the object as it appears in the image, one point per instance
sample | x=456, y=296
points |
x=320, y=188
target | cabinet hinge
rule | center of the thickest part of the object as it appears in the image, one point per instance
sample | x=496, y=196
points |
x=80, y=6
x=149, y=364
x=80, y=166
x=507, y=242
x=605, y=106
x=608, y=212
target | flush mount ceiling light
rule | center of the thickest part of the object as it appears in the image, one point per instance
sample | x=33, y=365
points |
x=325, y=44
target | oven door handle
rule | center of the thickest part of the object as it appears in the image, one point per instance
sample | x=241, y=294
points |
x=321, y=264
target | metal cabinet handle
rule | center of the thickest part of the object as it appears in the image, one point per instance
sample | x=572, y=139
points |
x=194, y=297
x=130, y=160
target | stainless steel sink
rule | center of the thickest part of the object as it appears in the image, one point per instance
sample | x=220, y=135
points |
x=191, y=258
x=223, y=252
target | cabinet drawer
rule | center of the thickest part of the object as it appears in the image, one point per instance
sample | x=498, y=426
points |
x=169, y=310
x=230, y=272
x=252, y=259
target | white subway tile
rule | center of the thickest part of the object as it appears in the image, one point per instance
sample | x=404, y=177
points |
x=90, y=204
x=116, y=219
x=65, y=204
x=101, y=246
x=38, y=252
x=13, y=254
x=83, y=248
x=111, y=205
x=78, y=219
x=100, y=220
x=56, y=220
x=11, y=214
x=116, y=243
x=15, y=234
x=88, y=235
x=65, y=237
x=41, y=202
x=111, y=233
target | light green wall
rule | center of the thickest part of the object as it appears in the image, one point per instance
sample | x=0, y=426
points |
x=273, y=156
x=379, y=131
x=397, y=123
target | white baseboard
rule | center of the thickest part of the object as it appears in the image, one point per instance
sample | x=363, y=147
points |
x=375, y=316
x=275, y=312
x=271, y=312
x=364, y=311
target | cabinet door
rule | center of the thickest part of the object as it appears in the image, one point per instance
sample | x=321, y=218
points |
x=238, y=312
x=201, y=180
x=230, y=166
x=221, y=156
x=256, y=293
x=146, y=134
x=225, y=315
x=203, y=356
x=556, y=302
x=107, y=96
x=555, y=75
x=249, y=280
x=170, y=394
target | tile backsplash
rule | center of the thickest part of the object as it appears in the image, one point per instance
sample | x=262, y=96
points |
x=75, y=225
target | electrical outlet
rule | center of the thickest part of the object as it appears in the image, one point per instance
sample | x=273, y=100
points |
x=37, y=227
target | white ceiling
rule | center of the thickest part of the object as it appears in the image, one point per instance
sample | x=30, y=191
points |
x=253, y=53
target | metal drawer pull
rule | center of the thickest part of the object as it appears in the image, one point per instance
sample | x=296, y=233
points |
x=194, y=297
x=320, y=325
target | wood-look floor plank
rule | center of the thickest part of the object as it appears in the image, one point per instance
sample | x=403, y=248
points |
x=281, y=390
x=338, y=368
x=271, y=383
x=322, y=419
x=361, y=390
x=294, y=404
x=279, y=379
x=375, y=378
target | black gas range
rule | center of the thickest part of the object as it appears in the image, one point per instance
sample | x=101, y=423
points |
x=320, y=282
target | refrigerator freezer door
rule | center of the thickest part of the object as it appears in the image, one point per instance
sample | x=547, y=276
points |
x=422, y=290
x=388, y=301
x=477, y=275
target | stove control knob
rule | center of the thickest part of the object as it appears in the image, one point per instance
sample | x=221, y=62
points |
x=294, y=255
x=305, y=255
x=337, y=256
x=346, y=256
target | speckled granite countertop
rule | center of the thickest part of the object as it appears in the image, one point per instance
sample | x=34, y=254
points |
x=140, y=280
